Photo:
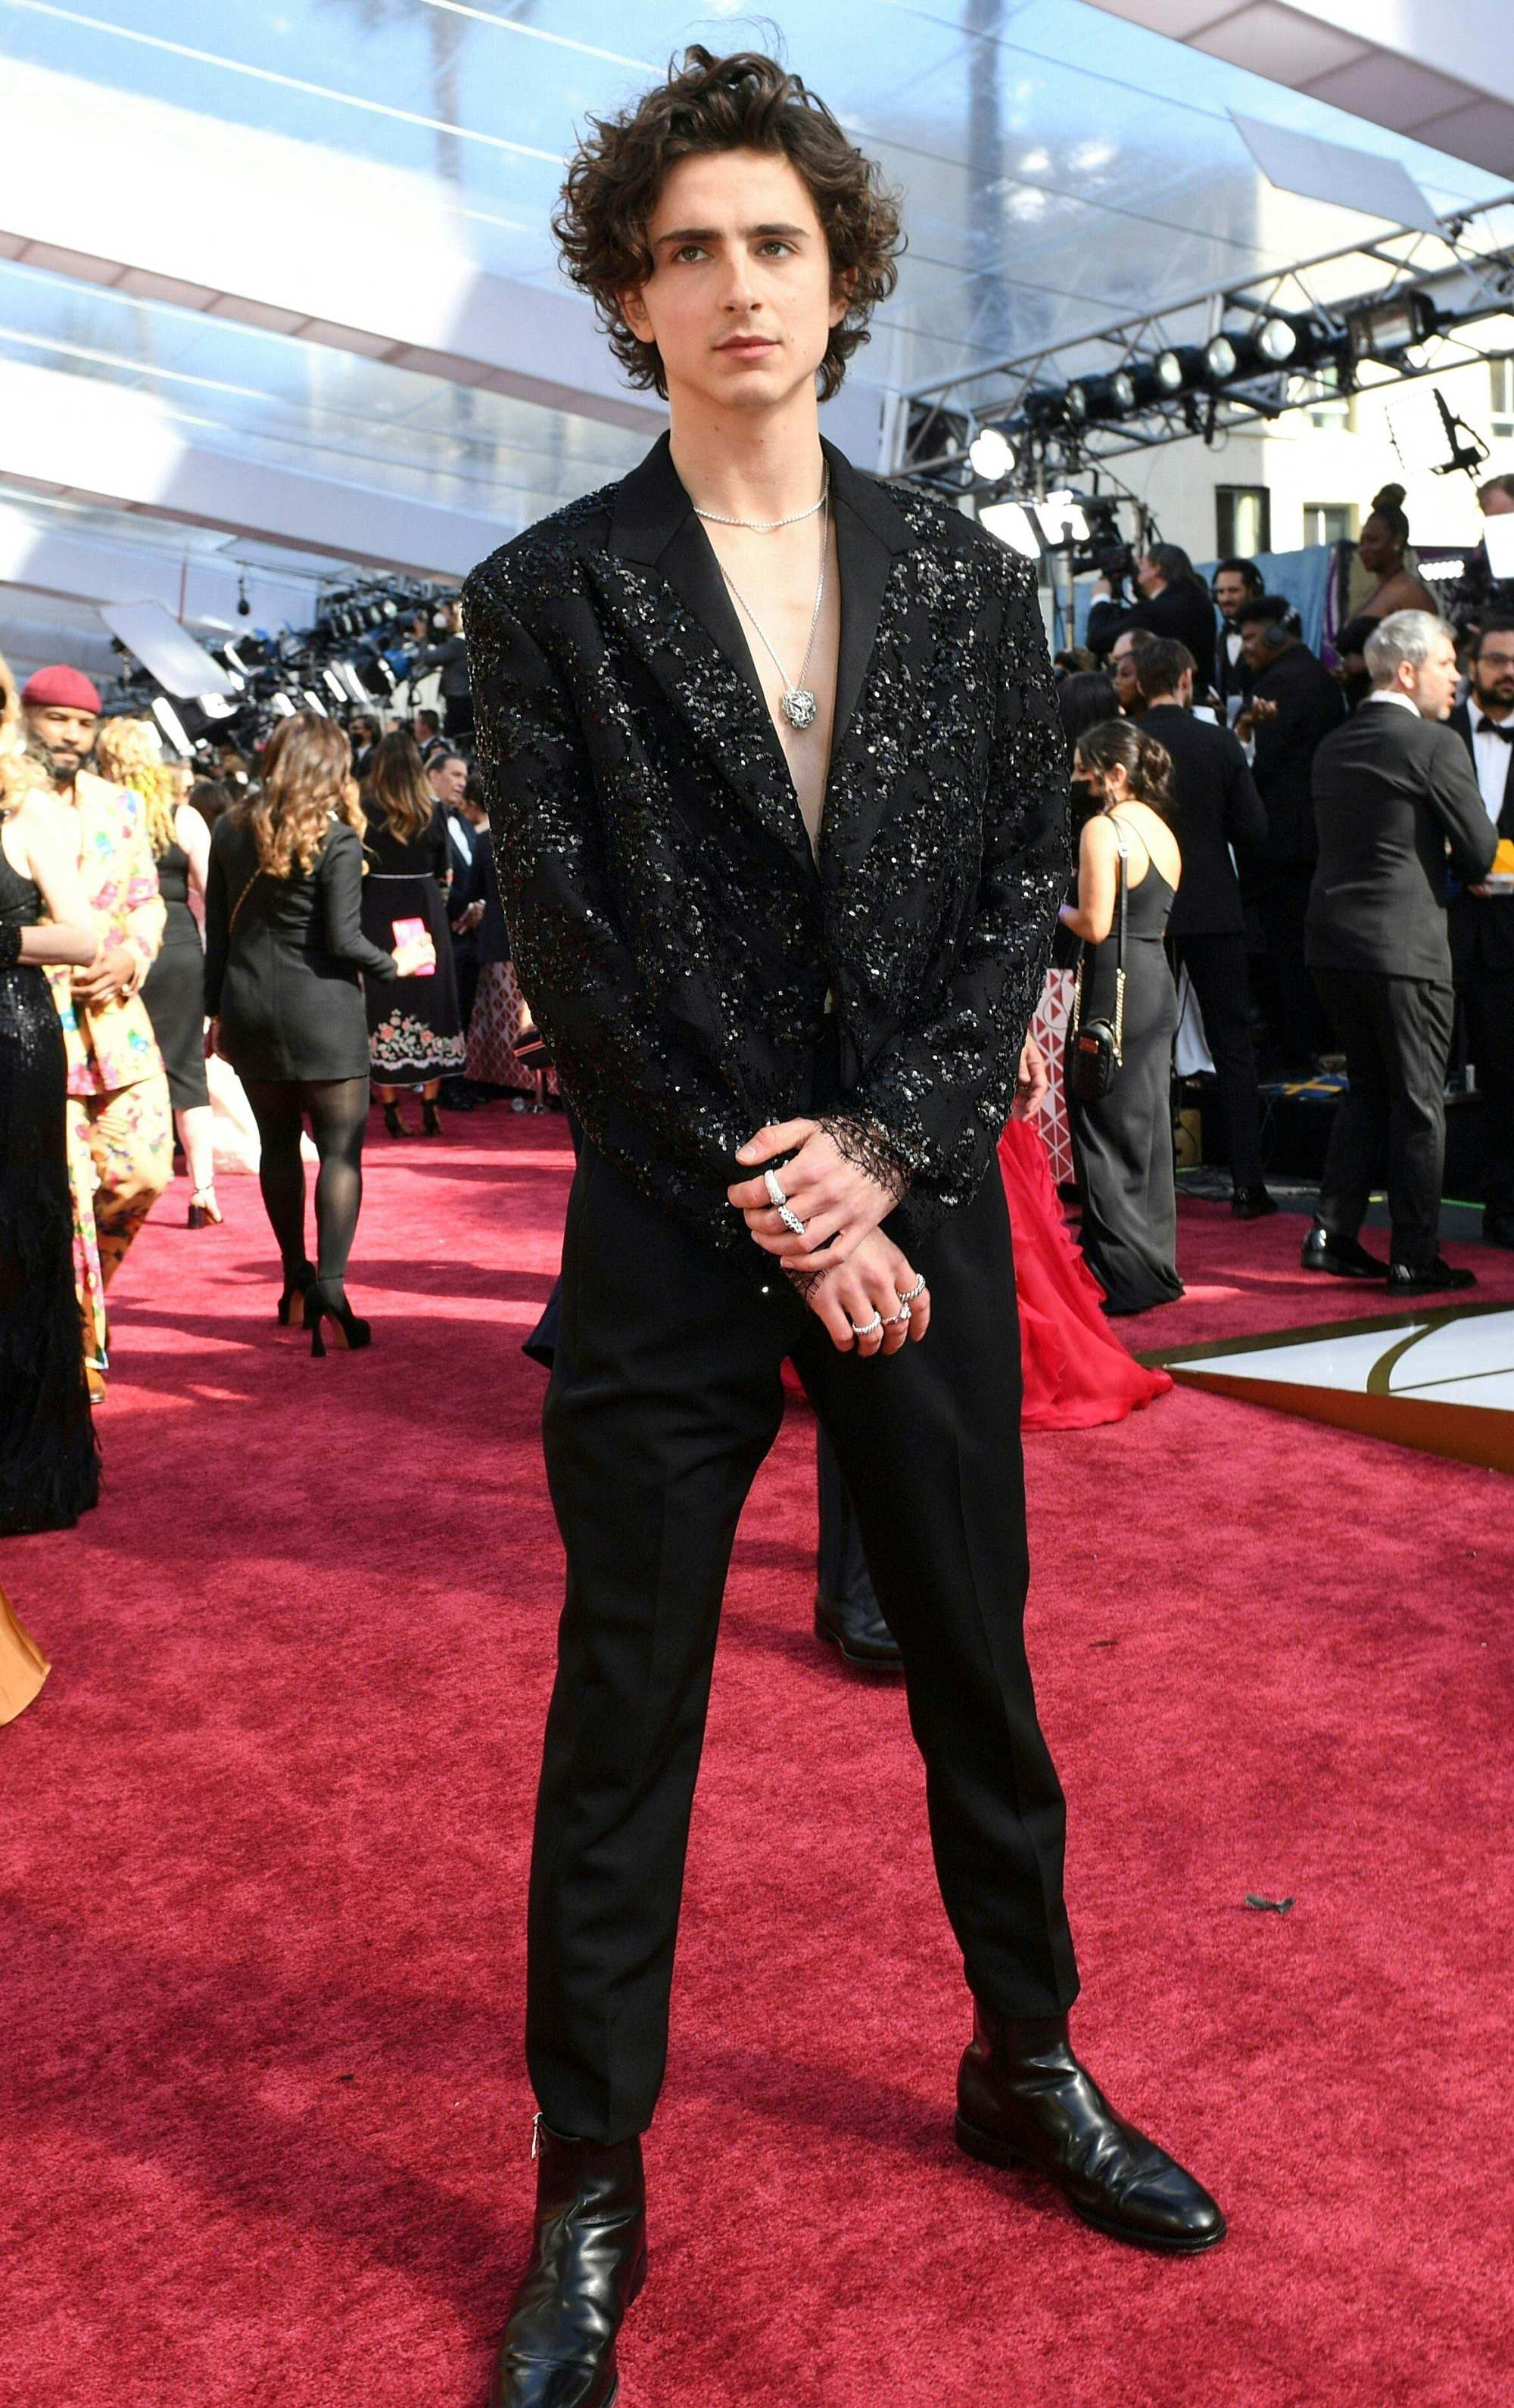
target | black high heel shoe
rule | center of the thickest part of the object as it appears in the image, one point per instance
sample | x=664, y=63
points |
x=346, y=1328
x=431, y=1118
x=392, y=1123
x=292, y=1303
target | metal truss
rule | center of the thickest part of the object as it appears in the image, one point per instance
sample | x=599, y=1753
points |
x=1465, y=280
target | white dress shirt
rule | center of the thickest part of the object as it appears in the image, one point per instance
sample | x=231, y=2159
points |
x=1491, y=756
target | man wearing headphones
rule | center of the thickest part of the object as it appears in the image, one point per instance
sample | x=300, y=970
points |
x=1294, y=704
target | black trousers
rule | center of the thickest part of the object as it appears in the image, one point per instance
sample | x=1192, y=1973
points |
x=1278, y=893
x=666, y=1395
x=1217, y=966
x=1488, y=998
x=841, y=1566
x=1396, y=1034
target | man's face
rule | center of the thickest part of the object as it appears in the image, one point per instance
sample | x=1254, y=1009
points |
x=66, y=736
x=741, y=300
x=1433, y=686
x=1230, y=590
x=1148, y=577
x=1253, y=650
x=449, y=781
x=1493, y=675
x=1122, y=669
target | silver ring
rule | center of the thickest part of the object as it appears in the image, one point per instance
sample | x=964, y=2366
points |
x=868, y=1329
x=791, y=1219
x=775, y=1187
x=911, y=1294
x=894, y=1318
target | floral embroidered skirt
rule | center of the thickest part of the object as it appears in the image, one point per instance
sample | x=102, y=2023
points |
x=416, y=1029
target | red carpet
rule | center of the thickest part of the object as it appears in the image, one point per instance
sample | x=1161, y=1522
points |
x=265, y=2125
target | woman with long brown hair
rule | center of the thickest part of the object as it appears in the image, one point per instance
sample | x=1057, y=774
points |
x=1122, y=1141
x=415, y=1029
x=284, y=945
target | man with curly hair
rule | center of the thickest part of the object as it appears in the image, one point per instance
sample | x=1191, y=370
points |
x=778, y=791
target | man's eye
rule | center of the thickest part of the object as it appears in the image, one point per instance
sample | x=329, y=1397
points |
x=777, y=245
x=689, y=251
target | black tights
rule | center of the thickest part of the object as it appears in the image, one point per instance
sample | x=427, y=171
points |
x=337, y=1110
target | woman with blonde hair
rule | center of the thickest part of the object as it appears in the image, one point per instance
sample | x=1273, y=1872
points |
x=127, y=752
x=49, y=1469
x=284, y=946
x=415, y=1028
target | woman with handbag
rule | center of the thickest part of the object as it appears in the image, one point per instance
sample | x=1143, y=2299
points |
x=415, y=1028
x=283, y=947
x=1124, y=1018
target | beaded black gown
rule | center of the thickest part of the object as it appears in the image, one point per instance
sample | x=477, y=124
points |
x=49, y=1471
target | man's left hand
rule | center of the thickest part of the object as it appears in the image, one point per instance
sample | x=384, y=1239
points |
x=110, y=974
x=1033, y=1083
x=834, y=1198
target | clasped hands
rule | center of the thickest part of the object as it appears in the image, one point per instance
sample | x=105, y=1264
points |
x=852, y=1274
x=112, y=973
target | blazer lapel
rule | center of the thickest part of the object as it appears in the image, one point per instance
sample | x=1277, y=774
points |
x=695, y=650
x=883, y=618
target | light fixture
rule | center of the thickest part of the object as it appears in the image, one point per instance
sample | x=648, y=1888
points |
x=1277, y=340
x=1075, y=401
x=1011, y=522
x=1218, y=358
x=1101, y=396
x=992, y=454
x=1062, y=520
x=1167, y=367
x=1391, y=326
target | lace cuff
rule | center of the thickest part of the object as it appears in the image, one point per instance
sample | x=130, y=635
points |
x=866, y=1148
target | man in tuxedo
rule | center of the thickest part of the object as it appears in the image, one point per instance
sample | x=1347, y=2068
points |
x=1396, y=798
x=778, y=788
x=1482, y=922
x=1235, y=583
x=1294, y=703
x=1215, y=807
x=467, y=846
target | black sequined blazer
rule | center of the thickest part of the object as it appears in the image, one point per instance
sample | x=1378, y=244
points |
x=672, y=930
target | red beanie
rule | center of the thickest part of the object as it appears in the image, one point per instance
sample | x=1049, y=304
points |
x=60, y=689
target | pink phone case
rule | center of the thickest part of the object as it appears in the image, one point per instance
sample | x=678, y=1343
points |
x=407, y=932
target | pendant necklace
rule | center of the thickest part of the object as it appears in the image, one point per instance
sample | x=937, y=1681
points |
x=798, y=702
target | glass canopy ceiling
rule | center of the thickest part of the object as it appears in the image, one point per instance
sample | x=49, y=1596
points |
x=1061, y=167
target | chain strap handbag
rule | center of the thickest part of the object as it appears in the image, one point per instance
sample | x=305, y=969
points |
x=1096, y=1048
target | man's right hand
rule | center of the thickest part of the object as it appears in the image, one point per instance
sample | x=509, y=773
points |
x=868, y=1285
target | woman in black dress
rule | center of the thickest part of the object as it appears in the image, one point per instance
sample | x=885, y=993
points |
x=1122, y=1145
x=415, y=1029
x=49, y=1465
x=127, y=752
x=283, y=947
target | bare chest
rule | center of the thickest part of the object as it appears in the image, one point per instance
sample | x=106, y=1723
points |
x=791, y=621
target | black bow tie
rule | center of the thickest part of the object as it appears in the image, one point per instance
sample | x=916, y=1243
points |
x=1490, y=727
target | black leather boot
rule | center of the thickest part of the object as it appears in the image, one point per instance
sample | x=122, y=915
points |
x=853, y=1624
x=588, y=2265
x=1022, y=2098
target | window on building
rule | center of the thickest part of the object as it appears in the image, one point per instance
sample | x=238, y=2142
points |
x=1243, y=520
x=1329, y=523
x=1501, y=396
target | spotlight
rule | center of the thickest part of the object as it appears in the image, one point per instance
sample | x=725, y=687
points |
x=1062, y=520
x=1167, y=367
x=1011, y=522
x=1101, y=396
x=1219, y=358
x=1277, y=340
x=992, y=454
x=1392, y=327
x=1075, y=401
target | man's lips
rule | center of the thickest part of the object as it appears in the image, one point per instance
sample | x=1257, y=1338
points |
x=747, y=343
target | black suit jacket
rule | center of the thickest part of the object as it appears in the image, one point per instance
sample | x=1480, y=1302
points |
x=1481, y=927
x=284, y=981
x=673, y=931
x=1214, y=805
x=1184, y=611
x=1310, y=706
x=1393, y=794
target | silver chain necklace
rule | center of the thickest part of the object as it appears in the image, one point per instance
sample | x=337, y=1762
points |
x=767, y=526
x=798, y=703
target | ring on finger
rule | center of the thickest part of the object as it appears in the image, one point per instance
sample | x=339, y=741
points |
x=791, y=1219
x=895, y=1320
x=911, y=1294
x=774, y=1186
x=868, y=1329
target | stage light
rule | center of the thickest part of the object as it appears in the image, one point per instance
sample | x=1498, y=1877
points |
x=1101, y=396
x=1062, y=520
x=1011, y=522
x=1277, y=340
x=992, y=454
x=1167, y=367
x=1392, y=327
x=1075, y=401
x=1218, y=358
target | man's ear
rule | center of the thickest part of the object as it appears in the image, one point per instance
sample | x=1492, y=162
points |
x=633, y=309
x=841, y=289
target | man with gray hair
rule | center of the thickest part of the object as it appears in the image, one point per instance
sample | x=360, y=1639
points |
x=1394, y=799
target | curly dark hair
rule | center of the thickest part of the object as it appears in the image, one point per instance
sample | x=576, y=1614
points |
x=746, y=102
x=1147, y=763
